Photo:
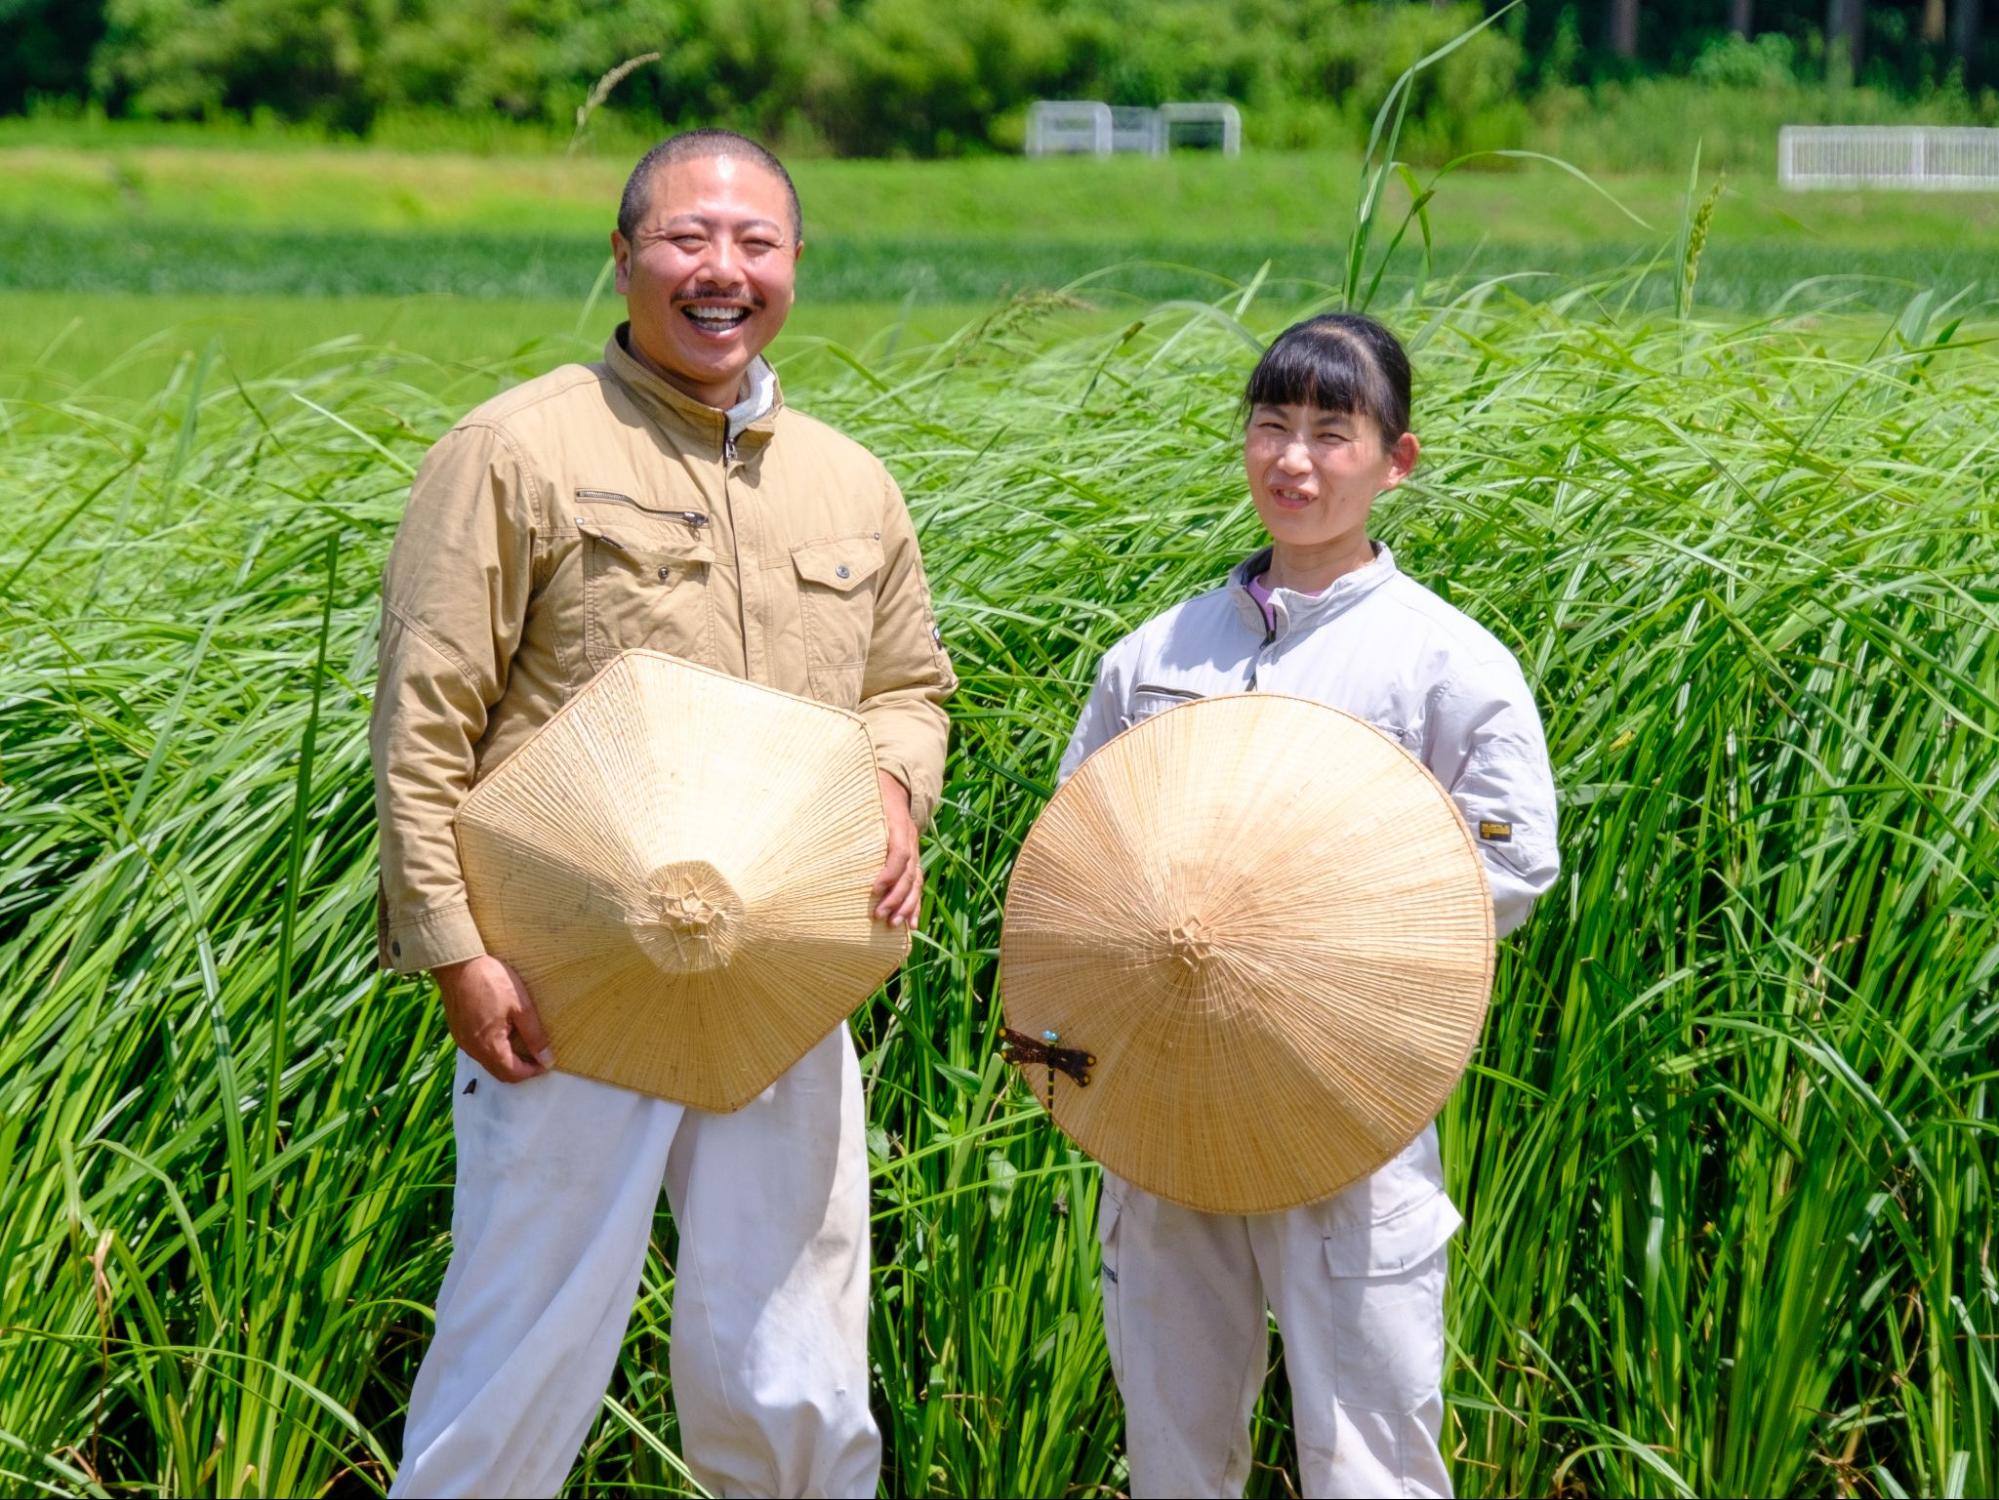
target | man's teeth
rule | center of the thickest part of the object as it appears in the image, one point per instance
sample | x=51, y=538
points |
x=718, y=317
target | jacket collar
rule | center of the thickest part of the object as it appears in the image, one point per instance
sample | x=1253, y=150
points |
x=1296, y=613
x=670, y=401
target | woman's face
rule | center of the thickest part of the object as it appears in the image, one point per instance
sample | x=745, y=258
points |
x=1314, y=473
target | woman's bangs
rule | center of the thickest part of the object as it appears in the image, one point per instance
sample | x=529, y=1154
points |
x=1326, y=374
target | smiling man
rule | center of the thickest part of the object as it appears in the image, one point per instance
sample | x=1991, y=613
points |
x=664, y=497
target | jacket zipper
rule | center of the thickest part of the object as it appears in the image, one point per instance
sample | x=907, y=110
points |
x=693, y=518
x=1256, y=661
x=736, y=549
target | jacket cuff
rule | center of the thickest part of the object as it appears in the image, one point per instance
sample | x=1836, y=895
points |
x=920, y=806
x=447, y=935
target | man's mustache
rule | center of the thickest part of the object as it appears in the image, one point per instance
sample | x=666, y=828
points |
x=728, y=294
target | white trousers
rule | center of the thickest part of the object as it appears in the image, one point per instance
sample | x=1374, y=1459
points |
x=558, y=1181
x=1359, y=1303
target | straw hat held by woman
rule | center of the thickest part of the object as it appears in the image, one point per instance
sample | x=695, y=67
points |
x=1356, y=1280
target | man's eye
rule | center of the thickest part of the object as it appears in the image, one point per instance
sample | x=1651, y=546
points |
x=688, y=242
x=759, y=247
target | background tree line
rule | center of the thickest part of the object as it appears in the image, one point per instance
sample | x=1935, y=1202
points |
x=880, y=77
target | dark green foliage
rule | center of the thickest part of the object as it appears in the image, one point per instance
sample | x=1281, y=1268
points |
x=45, y=48
x=891, y=77
x=874, y=77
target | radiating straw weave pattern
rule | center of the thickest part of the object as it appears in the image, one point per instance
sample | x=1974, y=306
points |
x=680, y=866
x=1269, y=924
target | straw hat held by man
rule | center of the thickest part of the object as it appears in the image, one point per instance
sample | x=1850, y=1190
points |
x=662, y=499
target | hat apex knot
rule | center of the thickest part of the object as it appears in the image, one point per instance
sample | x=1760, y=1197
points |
x=688, y=912
x=695, y=917
x=1190, y=943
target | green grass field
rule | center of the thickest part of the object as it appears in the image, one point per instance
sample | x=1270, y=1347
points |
x=1190, y=197
x=1726, y=1152
x=239, y=221
x=57, y=348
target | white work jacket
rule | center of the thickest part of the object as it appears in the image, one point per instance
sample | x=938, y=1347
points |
x=1384, y=648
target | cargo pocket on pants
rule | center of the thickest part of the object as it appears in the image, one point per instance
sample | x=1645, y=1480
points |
x=1388, y=1306
x=1379, y=1429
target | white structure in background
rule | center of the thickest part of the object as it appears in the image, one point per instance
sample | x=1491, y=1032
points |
x=1225, y=120
x=1135, y=130
x=1063, y=127
x=1906, y=156
x=1089, y=127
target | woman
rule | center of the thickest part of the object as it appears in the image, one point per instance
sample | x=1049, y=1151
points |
x=1356, y=1281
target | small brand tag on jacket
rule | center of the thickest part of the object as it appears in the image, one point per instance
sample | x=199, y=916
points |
x=1497, y=833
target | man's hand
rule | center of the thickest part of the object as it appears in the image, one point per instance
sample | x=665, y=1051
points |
x=899, y=888
x=493, y=1020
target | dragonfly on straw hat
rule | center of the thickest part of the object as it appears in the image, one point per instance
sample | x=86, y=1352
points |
x=1020, y=1048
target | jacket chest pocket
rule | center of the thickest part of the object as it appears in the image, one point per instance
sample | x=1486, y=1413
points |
x=836, y=605
x=645, y=584
x=1149, y=699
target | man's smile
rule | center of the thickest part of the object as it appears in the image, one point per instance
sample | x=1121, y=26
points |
x=715, y=319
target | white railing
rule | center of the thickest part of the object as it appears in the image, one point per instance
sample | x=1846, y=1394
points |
x=1947, y=157
x=1057, y=127
x=1089, y=127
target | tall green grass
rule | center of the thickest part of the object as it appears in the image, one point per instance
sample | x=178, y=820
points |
x=1727, y=1150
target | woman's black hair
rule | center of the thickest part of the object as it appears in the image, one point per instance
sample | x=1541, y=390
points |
x=1338, y=362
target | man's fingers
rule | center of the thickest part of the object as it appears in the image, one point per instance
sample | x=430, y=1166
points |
x=529, y=1037
x=499, y=1056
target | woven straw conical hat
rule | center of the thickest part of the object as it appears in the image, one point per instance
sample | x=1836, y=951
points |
x=1266, y=927
x=680, y=866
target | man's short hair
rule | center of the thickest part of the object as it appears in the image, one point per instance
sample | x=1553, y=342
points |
x=693, y=145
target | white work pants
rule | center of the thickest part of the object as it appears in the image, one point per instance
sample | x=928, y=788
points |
x=1359, y=1303
x=558, y=1181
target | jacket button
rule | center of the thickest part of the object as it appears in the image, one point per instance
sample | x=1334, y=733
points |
x=395, y=950
x=665, y=573
x=843, y=570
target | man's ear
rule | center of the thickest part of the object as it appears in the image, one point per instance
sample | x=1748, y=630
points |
x=798, y=252
x=621, y=256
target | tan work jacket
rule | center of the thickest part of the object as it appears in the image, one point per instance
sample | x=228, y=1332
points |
x=597, y=509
